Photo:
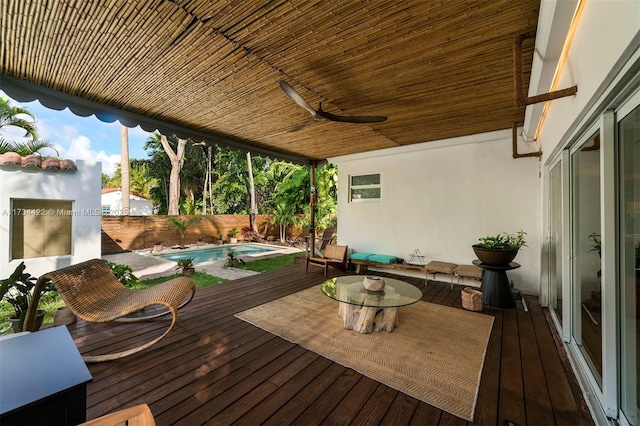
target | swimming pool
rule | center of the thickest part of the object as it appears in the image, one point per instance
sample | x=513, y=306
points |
x=217, y=253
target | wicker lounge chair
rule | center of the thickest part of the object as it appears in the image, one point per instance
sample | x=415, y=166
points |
x=94, y=294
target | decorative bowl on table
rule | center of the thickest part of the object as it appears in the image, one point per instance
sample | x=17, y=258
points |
x=373, y=283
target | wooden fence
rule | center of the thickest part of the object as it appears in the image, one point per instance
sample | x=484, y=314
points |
x=120, y=233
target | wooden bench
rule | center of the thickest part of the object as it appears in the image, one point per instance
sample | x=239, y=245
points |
x=434, y=267
x=363, y=265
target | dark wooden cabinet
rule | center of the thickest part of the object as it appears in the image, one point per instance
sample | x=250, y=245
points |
x=43, y=379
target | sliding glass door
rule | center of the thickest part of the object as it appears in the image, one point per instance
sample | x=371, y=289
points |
x=586, y=250
x=629, y=240
x=555, y=241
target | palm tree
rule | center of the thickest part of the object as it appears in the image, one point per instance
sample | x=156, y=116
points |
x=124, y=169
x=183, y=226
x=252, y=194
x=283, y=216
x=25, y=148
x=10, y=116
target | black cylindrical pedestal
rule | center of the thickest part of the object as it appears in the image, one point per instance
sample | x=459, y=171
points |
x=496, y=291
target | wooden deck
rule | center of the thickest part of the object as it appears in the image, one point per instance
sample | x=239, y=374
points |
x=216, y=369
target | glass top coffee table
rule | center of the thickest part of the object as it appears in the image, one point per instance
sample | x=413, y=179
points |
x=366, y=311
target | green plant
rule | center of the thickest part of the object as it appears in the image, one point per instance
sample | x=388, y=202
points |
x=233, y=232
x=503, y=241
x=597, y=243
x=183, y=226
x=17, y=290
x=124, y=274
x=185, y=263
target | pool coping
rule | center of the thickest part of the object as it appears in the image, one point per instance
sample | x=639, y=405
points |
x=149, y=265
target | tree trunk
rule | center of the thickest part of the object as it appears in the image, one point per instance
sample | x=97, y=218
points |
x=177, y=159
x=124, y=170
x=252, y=192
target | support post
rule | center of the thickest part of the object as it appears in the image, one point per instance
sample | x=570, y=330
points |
x=312, y=210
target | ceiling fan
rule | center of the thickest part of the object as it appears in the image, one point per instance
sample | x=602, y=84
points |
x=320, y=114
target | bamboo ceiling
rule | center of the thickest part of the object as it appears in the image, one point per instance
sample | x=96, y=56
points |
x=436, y=69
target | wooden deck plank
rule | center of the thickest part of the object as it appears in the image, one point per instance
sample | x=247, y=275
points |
x=511, y=392
x=401, y=411
x=349, y=407
x=536, y=395
x=216, y=369
x=567, y=403
x=488, y=401
x=290, y=412
x=426, y=415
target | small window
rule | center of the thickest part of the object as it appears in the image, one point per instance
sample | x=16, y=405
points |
x=106, y=210
x=40, y=228
x=365, y=188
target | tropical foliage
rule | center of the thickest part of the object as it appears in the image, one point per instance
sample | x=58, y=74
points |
x=22, y=118
x=183, y=225
x=16, y=116
x=220, y=184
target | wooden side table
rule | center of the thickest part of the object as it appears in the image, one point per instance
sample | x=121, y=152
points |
x=43, y=379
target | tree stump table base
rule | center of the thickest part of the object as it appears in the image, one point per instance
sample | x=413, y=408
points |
x=367, y=311
x=364, y=319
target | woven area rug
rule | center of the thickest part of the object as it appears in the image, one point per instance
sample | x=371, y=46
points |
x=436, y=354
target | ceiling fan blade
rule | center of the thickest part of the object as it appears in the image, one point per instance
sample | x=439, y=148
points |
x=291, y=92
x=354, y=119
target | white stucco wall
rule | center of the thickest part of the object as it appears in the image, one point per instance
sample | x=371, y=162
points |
x=82, y=187
x=604, y=31
x=440, y=197
x=138, y=206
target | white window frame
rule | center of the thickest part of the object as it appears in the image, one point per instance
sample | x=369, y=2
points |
x=365, y=200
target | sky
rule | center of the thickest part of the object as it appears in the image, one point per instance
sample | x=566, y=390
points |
x=78, y=138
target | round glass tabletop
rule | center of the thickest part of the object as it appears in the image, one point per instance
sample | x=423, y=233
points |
x=350, y=289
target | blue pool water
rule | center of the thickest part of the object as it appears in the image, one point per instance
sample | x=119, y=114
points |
x=217, y=253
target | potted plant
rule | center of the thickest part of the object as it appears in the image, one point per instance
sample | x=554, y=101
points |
x=500, y=249
x=186, y=265
x=233, y=235
x=183, y=226
x=157, y=246
x=200, y=242
x=18, y=290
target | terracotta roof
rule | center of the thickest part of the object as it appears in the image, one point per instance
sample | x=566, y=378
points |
x=34, y=160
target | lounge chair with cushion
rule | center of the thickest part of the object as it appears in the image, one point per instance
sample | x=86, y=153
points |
x=334, y=255
x=94, y=294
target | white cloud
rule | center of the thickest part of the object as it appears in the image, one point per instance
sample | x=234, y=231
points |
x=80, y=149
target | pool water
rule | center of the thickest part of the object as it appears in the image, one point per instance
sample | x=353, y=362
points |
x=217, y=253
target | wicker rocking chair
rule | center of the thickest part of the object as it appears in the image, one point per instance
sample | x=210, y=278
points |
x=94, y=294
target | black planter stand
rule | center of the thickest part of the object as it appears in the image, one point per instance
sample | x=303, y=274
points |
x=496, y=291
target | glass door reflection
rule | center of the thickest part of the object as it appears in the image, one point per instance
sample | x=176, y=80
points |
x=586, y=251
